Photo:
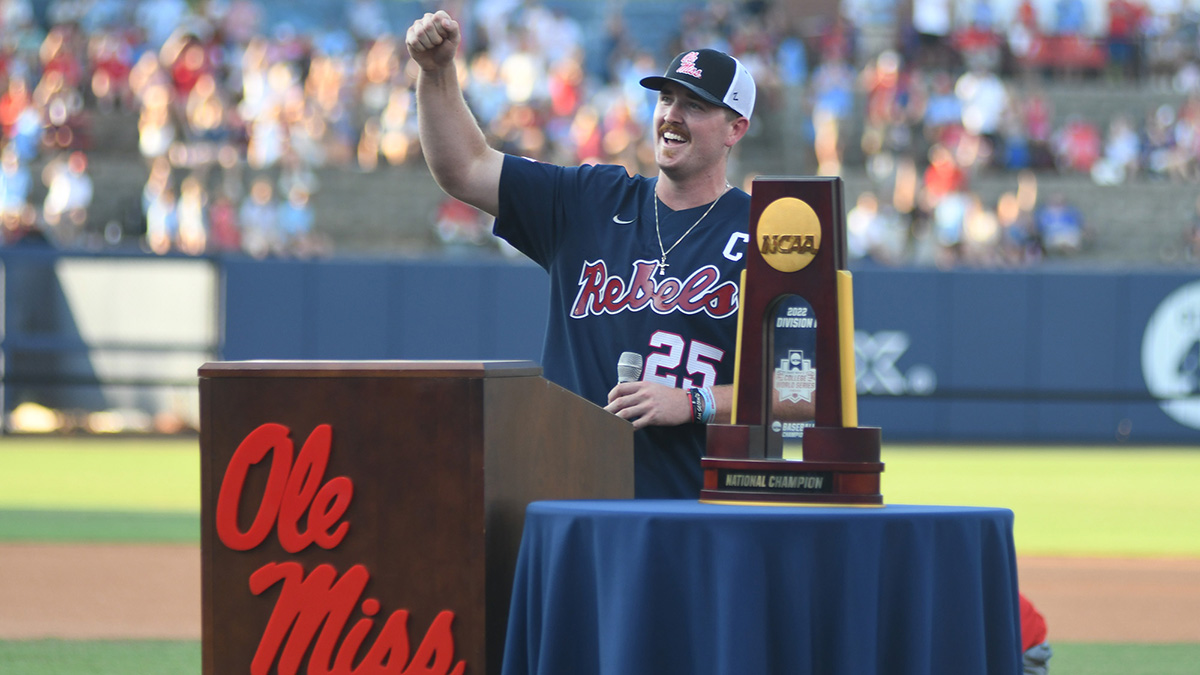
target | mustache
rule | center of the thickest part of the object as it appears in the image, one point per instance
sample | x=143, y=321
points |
x=674, y=128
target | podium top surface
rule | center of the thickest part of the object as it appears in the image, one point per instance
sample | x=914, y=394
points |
x=352, y=368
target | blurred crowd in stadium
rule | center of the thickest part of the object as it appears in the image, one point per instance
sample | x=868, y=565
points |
x=236, y=115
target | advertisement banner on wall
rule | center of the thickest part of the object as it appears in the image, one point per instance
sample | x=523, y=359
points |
x=1171, y=355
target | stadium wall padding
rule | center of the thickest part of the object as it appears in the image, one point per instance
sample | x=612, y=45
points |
x=943, y=356
x=1007, y=356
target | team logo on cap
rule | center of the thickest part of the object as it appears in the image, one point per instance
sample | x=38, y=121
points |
x=687, y=65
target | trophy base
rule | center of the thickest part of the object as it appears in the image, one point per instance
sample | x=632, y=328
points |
x=783, y=481
x=841, y=466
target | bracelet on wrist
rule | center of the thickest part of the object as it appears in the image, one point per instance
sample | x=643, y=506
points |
x=710, y=405
x=704, y=405
x=697, y=402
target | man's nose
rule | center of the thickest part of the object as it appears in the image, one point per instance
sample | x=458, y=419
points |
x=672, y=112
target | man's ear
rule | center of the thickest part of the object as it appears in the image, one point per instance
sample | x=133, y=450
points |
x=736, y=131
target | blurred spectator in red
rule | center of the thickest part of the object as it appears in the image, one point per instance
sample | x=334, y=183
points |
x=187, y=60
x=111, y=59
x=943, y=176
x=1036, y=649
x=977, y=41
x=222, y=217
x=57, y=55
x=57, y=94
x=13, y=102
x=1124, y=38
x=460, y=227
x=838, y=40
x=885, y=100
x=65, y=121
x=1037, y=115
x=1077, y=145
x=585, y=137
x=565, y=83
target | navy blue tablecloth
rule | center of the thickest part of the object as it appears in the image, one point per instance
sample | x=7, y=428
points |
x=665, y=587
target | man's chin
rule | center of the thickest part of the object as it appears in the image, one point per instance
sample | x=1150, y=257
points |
x=667, y=157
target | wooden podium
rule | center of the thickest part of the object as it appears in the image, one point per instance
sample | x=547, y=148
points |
x=366, y=516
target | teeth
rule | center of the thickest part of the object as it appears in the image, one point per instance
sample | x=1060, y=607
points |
x=672, y=136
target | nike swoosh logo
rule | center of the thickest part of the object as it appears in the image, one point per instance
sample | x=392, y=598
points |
x=617, y=220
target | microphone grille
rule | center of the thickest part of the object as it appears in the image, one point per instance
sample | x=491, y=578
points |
x=629, y=367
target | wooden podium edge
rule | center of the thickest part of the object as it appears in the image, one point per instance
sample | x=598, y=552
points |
x=370, y=368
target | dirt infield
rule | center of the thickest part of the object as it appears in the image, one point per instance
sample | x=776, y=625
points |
x=99, y=591
x=153, y=591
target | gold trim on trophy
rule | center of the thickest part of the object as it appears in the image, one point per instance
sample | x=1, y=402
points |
x=845, y=284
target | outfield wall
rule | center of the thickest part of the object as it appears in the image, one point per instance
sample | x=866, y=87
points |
x=944, y=356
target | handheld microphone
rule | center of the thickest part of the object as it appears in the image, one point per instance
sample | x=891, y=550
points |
x=629, y=367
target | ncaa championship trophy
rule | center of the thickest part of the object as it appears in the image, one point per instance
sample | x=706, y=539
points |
x=794, y=436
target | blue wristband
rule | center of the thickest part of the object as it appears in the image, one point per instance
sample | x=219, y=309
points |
x=710, y=405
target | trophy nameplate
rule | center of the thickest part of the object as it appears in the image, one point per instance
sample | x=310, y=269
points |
x=794, y=436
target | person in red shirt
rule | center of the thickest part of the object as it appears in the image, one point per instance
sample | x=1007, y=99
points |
x=1036, y=649
x=943, y=176
x=1124, y=32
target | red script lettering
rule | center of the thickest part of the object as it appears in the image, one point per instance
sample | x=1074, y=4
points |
x=292, y=491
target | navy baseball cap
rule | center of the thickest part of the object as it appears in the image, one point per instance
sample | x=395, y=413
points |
x=714, y=76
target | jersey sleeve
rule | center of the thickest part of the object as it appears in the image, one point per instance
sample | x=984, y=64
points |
x=531, y=217
x=542, y=204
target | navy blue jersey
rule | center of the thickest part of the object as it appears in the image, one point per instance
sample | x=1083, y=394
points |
x=592, y=228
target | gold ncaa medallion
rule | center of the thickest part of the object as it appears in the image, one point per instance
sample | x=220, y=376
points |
x=789, y=234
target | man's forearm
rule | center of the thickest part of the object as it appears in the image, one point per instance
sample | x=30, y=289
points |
x=453, y=144
x=723, y=396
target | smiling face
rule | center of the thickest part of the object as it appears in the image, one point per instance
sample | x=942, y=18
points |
x=692, y=135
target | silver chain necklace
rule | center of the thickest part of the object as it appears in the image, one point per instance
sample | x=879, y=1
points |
x=662, y=261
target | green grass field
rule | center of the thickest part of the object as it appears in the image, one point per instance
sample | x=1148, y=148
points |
x=1070, y=501
x=1137, y=502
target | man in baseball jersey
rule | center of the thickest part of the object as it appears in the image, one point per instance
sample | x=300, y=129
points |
x=636, y=264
